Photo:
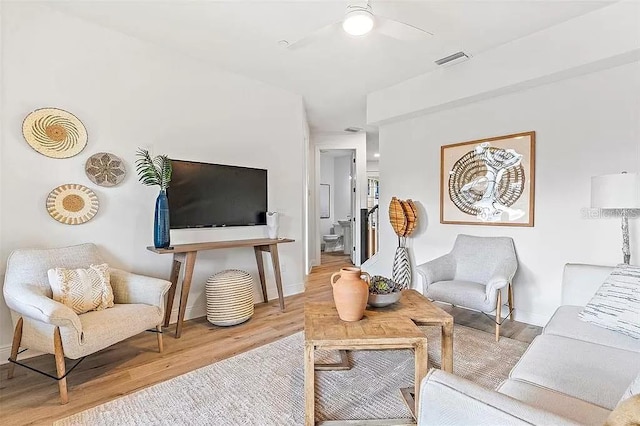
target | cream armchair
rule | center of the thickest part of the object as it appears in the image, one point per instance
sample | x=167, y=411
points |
x=45, y=325
x=473, y=275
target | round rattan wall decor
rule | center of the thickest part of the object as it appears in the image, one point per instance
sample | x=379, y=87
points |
x=54, y=132
x=105, y=169
x=72, y=204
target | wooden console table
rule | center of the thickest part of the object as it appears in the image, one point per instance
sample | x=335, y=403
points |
x=188, y=253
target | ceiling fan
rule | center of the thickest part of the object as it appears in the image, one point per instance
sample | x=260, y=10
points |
x=359, y=20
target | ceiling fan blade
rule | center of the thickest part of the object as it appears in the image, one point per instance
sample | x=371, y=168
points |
x=400, y=30
x=314, y=36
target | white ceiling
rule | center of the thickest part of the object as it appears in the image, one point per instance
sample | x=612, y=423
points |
x=335, y=73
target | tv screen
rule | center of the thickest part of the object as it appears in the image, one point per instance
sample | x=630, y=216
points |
x=210, y=195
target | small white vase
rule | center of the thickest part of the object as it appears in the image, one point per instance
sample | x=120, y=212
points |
x=272, y=224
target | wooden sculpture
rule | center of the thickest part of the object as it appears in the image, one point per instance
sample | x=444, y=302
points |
x=403, y=216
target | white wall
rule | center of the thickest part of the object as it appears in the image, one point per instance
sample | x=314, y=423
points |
x=327, y=177
x=373, y=168
x=130, y=93
x=585, y=126
x=342, y=184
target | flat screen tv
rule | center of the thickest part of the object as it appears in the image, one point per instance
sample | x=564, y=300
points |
x=203, y=195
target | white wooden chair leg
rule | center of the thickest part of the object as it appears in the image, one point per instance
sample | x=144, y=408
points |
x=60, y=367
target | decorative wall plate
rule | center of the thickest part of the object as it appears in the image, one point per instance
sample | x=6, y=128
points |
x=489, y=181
x=72, y=204
x=54, y=132
x=105, y=169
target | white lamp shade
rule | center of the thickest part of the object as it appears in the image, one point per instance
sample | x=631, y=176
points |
x=619, y=191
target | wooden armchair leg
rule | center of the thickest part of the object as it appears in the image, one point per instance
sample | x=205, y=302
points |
x=498, y=314
x=15, y=347
x=60, y=367
x=159, y=333
x=510, y=302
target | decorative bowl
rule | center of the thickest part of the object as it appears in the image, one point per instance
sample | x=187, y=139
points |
x=381, y=300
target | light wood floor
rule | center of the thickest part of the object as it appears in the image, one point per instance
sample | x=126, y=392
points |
x=30, y=398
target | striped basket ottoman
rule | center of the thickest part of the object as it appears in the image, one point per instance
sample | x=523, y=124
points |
x=229, y=297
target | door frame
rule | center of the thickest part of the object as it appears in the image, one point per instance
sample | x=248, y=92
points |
x=328, y=141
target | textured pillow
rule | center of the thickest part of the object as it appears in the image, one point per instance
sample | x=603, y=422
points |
x=82, y=290
x=627, y=413
x=616, y=304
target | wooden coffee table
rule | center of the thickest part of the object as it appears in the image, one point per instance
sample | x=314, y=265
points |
x=392, y=327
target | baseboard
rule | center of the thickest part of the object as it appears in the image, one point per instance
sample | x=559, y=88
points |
x=5, y=353
x=530, y=317
x=200, y=310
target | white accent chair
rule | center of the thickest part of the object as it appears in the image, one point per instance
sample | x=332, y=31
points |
x=473, y=275
x=48, y=326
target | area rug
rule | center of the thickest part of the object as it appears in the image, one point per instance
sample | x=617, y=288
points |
x=265, y=386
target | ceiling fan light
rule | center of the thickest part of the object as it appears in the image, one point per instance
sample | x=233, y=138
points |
x=358, y=22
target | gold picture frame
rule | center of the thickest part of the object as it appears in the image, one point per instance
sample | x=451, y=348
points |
x=489, y=181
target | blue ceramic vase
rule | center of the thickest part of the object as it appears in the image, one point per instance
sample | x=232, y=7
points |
x=161, y=221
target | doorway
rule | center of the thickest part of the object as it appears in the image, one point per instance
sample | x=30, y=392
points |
x=337, y=189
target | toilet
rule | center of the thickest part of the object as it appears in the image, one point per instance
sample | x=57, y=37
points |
x=333, y=241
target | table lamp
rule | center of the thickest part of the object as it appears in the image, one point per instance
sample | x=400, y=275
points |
x=617, y=192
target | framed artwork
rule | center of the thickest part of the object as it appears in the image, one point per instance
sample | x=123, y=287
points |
x=325, y=201
x=489, y=181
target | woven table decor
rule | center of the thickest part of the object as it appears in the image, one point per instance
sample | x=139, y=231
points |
x=229, y=297
x=403, y=215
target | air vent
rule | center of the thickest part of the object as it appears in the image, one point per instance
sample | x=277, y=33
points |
x=453, y=59
x=353, y=129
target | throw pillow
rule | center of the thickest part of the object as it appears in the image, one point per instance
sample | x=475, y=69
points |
x=616, y=304
x=627, y=413
x=82, y=290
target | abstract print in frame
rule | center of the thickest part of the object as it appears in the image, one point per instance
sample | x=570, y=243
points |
x=489, y=181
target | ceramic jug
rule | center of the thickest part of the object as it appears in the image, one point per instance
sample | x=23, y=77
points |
x=350, y=293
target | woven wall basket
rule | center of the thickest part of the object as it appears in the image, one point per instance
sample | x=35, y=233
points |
x=229, y=297
x=72, y=204
x=54, y=132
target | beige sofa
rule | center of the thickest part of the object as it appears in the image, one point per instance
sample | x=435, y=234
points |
x=573, y=373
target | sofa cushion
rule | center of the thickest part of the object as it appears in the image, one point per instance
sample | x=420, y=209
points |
x=555, y=402
x=462, y=293
x=101, y=329
x=627, y=413
x=565, y=322
x=446, y=399
x=580, y=282
x=595, y=373
x=616, y=304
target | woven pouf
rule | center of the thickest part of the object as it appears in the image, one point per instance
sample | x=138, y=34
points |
x=229, y=297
